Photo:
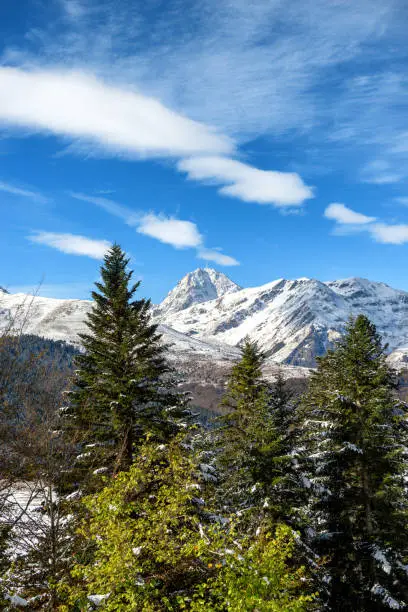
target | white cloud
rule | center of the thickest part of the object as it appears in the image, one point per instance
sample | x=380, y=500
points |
x=217, y=256
x=389, y=234
x=248, y=183
x=24, y=193
x=351, y=222
x=344, y=215
x=222, y=65
x=248, y=68
x=72, y=244
x=180, y=234
x=117, y=119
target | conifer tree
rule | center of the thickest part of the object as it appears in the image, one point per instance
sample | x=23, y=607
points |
x=123, y=386
x=257, y=472
x=355, y=433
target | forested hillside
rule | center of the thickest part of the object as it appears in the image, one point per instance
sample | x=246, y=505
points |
x=116, y=493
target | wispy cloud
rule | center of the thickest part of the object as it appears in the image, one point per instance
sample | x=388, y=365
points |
x=121, y=121
x=402, y=200
x=72, y=244
x=178, y=233
x=217, y=256
x=350, y=222
x=128, y=215
x=23, y=193
x=342, y=214
x=73, y=9
x=223, y=67
x=381, y=172
x=117, y=119
x=248, y=183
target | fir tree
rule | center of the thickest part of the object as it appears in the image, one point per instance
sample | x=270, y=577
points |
x=355, y=433
x=123, y=386
x=255, y=463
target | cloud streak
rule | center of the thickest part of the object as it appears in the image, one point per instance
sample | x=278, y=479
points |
x=216, y=256
x=120, y=121
x=344, y=215
x=178, y=233
x=117, y=119
x=23, y=193
x=72, y=244
x=248, y=183
x=349, y=221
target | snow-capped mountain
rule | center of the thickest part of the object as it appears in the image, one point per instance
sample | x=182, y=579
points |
x=208, y=315
x=202, y=285
x=65, y=320
x=296, y=320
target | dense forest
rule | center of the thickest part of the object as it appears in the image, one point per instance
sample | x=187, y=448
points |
x=116, y=493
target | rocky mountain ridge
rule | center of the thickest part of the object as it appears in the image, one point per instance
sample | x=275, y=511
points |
x=296, y=320
x=208, y=316
x=202, y=285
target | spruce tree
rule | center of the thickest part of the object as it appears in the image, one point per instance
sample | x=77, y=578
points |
x=355, y=434
x=123, y=387
x=256, y=468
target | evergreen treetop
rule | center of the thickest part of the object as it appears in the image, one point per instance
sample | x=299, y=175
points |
x=355, y=436
x=123, y=387
x=257, y=472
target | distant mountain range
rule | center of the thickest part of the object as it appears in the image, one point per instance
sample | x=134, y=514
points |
x=207, y=315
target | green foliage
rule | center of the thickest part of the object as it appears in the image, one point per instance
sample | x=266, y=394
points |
x=355, y=434
x=145, y=525
x=153, y=553
x=260, y=577
x=256, y=441
x=143, y=539
x=4, y=556
x=123, y=387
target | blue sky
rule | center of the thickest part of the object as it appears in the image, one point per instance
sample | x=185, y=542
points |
x=265, y=138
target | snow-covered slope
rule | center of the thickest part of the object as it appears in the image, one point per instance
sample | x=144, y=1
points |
x=208, y=316
x=65, y=320
x=199, y=286
x=48, y=317
x=296, y=320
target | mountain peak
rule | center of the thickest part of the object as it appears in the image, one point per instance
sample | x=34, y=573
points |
x=359, y=287
x=3, y=290
x=201, y=285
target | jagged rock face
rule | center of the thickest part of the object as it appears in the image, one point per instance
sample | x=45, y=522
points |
x=296, y=320
x=197, y=287
x=208, y=316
